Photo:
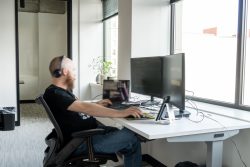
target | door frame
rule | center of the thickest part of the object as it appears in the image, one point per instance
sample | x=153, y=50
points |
x=69, y=50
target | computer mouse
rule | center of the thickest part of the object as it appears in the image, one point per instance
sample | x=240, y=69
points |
x=130, y=116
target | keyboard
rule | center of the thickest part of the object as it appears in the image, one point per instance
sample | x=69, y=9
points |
x=145, y=116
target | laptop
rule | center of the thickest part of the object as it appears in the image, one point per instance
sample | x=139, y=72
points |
x=117, y=91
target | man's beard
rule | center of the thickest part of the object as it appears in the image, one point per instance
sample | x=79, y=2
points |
x=70, y=83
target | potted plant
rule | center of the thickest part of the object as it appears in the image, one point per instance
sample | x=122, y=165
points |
x=101, y=68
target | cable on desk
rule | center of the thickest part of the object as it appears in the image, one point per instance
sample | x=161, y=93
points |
x=193, y=105
x=190, y=92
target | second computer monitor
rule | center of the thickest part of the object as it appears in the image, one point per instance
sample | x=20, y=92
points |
x=174, y=79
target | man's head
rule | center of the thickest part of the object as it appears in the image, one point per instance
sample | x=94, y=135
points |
x=62, y=69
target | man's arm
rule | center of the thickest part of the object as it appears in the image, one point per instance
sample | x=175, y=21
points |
x=97, y=110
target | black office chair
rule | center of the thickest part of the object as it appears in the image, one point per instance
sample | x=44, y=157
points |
x=59, y=154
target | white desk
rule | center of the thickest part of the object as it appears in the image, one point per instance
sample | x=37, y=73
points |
x=183, y=130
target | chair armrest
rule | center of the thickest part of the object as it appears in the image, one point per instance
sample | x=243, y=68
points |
x=87, y=133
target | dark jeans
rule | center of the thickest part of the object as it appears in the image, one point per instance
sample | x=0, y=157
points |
x=113, y=141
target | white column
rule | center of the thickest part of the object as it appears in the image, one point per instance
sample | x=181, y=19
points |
x=125, y=38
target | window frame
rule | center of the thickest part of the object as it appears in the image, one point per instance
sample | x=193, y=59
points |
x=113, y=14
x=104, y=34
x=240, y=56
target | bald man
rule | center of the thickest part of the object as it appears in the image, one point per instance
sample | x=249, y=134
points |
x=66, y=109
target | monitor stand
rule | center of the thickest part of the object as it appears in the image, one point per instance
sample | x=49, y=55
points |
x=150, y=102
x=180, y=113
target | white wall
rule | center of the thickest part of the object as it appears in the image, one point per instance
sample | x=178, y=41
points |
x=90, y=42
x=28, y=54
x=75, y=43
x=144, y=27
x=42, y=36
x=150, y=28
x=7, y=54
x=172, y=153
x=124, y=38
x=52, y=30
x=28, y=43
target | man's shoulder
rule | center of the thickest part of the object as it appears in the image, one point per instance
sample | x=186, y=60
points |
x=54, y=91
x=50, y=90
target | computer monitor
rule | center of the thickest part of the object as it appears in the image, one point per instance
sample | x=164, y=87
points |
x=147, y=76
x=162, y=77
x=174, y=78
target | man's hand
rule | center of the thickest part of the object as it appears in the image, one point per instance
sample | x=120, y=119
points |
x=104, y=102
x=132, y=111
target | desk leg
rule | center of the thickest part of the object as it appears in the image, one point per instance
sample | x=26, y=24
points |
x=214, y=153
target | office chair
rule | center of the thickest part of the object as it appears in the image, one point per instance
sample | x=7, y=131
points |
x=59, y=154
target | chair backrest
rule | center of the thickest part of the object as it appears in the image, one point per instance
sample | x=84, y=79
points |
x=40, y=100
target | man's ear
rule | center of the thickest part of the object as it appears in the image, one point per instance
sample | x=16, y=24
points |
x=65, y=71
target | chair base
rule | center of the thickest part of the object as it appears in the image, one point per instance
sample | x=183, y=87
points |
x=80, y=161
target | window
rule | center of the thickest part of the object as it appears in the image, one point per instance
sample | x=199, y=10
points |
x=111, y=43
x=212, y=42
x=110, y=23
x=246, y=97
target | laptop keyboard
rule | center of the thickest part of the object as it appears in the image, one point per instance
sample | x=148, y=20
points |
x=119, y=106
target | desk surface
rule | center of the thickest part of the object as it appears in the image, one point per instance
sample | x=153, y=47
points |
x=211, y=123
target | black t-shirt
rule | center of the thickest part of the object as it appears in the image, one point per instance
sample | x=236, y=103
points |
x=59, y=100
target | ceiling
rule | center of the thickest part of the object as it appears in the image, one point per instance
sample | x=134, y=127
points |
x=42, y=6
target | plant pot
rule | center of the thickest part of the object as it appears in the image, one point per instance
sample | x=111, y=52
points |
x=100, y=78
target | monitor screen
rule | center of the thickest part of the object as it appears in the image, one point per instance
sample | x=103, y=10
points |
x=174, y=78
x=147, y=76
x=116, y=90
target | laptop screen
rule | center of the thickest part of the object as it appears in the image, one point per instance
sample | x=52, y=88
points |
x=116, y=90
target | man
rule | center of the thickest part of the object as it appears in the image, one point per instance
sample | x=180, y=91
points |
x=66, y=109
